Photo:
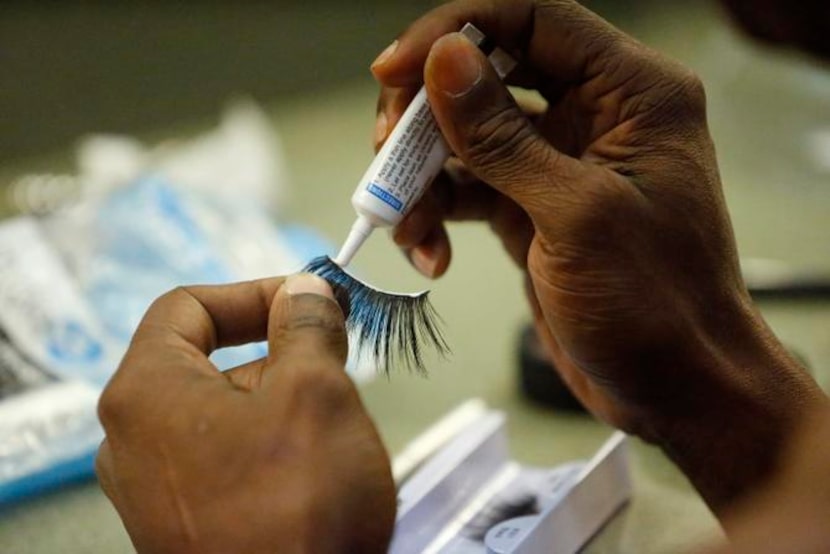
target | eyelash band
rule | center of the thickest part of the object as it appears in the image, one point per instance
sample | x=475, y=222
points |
x=392, y=326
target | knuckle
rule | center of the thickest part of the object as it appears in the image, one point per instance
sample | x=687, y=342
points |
x=326, y=334
x=656, y=86
x=101, y=456
x=172, y=296
x=694, y=84
x=316, y=319
x=323, y=378
x=169, y=301
x=315, y=311
x=112, y=405
x=683, y=96
x=322, y=386
x=326, y=323
x=497, y=142
x=689, y=90
x=604, y=211
x=102, y=475
x=102, y=469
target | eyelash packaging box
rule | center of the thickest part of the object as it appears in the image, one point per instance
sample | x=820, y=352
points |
x=462, y=493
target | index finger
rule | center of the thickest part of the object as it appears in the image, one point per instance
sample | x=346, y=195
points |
x=195, y=321
x=557, y=39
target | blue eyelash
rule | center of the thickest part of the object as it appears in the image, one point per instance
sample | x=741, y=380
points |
x=392, y=326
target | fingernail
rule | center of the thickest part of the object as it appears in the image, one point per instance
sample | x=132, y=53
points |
x=401, y=232
x=381, y=128
x=306, y=283
x=385, y=55
x=395, y=234
x=456, y=68
x=424, y=263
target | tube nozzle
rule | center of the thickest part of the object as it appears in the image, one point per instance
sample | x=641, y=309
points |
x=360, y=231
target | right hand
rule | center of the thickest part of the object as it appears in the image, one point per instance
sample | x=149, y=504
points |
x=611, y=203
x=790, y=513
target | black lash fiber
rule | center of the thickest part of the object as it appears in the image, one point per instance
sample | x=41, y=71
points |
x=498, y=510
x=392, y=326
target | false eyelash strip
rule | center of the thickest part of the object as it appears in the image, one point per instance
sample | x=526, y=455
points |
x=391, y=326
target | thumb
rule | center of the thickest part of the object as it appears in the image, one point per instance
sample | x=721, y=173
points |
x=489, y=132
x=306, y=327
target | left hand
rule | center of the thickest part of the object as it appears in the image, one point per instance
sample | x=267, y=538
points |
x=278, y=455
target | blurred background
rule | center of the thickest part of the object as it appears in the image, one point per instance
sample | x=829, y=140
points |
x=80, y=67
x=153, y=69
x=161, y=70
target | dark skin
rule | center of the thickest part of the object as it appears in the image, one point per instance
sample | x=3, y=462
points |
x=245, y=461
x=789, y=513
x=608, y=200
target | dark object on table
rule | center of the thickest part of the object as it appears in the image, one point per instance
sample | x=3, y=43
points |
x=538, y=379
x=781, y=280
x=802, y=24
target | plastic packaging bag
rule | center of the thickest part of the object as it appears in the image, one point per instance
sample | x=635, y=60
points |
x=75, y=282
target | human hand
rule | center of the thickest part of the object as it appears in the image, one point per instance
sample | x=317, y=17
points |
x=611, y=203
x=790, y=513
x=274, y=456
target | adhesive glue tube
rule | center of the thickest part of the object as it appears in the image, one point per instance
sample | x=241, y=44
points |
x=407, y=163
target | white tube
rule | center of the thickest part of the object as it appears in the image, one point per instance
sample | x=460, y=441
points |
x=409, y=160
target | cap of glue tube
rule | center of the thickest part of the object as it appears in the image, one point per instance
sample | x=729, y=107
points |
x=360, y=231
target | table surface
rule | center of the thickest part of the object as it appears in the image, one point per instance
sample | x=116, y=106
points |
x=765, y=111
